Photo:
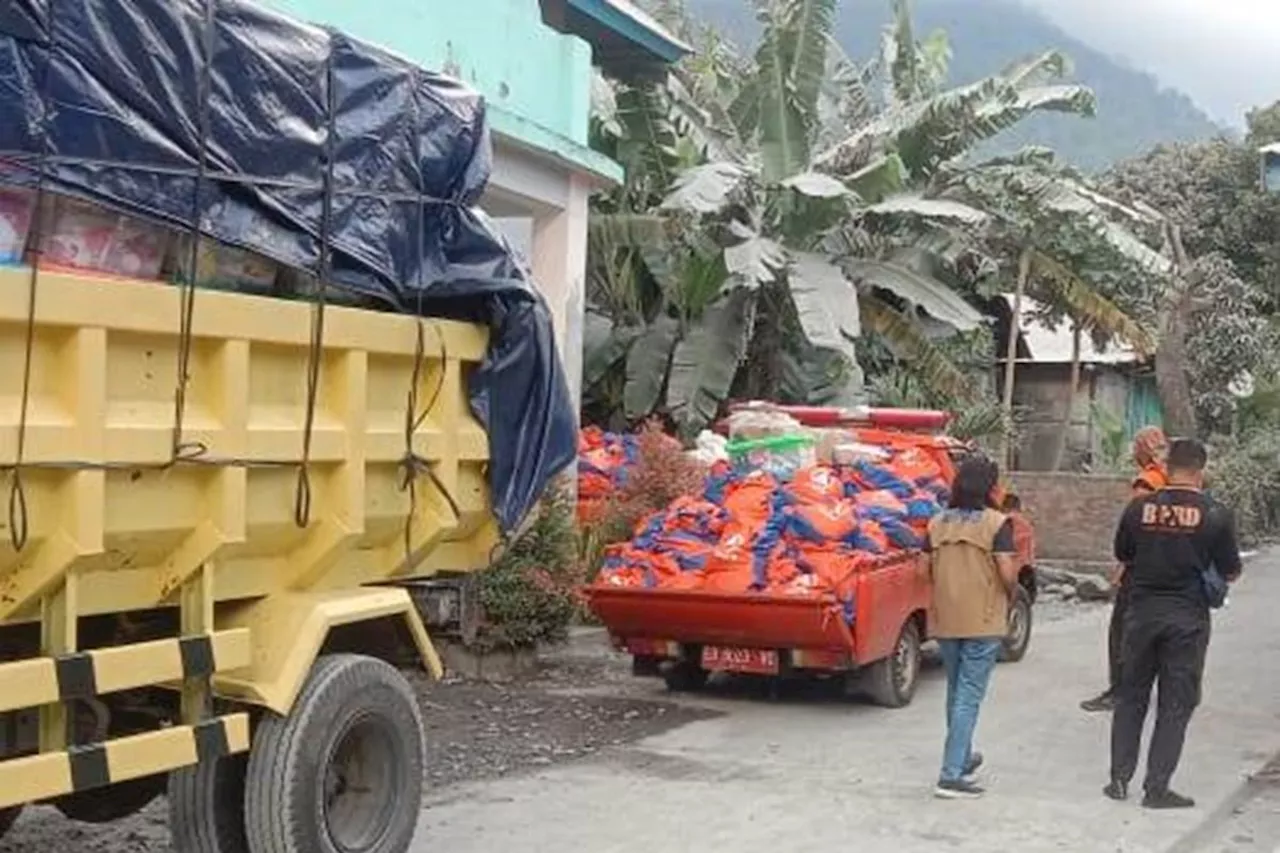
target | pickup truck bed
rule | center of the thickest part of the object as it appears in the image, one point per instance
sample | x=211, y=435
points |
x=872, y=625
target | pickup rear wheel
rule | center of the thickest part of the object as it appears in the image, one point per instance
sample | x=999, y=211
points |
x=1015, y=644
x=685, y=676
x=342, y=773
x=892, y=682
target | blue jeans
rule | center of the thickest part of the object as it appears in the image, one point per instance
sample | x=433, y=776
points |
x=969, y=663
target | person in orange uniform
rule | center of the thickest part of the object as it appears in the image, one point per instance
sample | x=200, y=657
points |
x=1024, y=535
x=1150, y=447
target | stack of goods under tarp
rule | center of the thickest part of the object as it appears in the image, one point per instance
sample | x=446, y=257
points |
x=290, y=154
x=806, y=535
x=73, y=236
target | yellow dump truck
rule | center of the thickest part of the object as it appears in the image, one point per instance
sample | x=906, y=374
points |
x=211, y=495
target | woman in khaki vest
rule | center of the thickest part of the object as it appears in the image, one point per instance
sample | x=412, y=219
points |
x=970, y=560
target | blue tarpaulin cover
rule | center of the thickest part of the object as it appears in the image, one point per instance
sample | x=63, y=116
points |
x=281, y=137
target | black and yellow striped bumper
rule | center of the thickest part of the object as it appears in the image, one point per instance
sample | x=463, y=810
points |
x=83, y=768
x=43, y=681
x=35, y=682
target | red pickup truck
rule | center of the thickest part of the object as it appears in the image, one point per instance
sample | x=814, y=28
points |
x=685, y=635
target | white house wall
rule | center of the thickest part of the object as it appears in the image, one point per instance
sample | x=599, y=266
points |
x=542, y=208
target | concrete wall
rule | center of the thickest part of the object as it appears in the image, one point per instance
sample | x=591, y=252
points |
x=1042, y=391
x=501, y=47
x=1074, y=515
x=553, y=243
x=559, y=259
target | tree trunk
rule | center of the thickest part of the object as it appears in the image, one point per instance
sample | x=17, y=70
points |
x=1172, y=383
x=760, y=377
x=1011, y=355
x=1171, y=373
x=1064, y=428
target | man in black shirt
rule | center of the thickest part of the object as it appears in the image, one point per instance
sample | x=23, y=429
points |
x=1171, y=541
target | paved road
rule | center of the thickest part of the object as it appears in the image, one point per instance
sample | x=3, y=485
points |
x=812, y=776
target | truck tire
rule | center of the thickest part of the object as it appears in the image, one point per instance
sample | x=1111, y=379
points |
x=685, y=676
x=115, y=802
x=206, y=807
x=8, y=817
x=1015, y=645
x=891, y=682
x=342, y=773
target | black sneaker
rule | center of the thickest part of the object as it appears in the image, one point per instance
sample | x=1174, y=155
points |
x=1118, y=790
x=960, y=789
x=974, y=765
x=1098, y=704
x=1167, y=799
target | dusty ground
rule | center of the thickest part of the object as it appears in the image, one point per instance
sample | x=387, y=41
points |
x=517, y=765
x=475, y=732
x=583, y=703
x=805, y=776
x=1247, y=822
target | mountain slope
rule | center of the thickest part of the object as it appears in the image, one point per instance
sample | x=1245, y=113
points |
x=1134, y=111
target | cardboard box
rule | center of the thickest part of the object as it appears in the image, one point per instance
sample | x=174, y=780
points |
x=17, y=212
x=82, y=236
x=223, y=267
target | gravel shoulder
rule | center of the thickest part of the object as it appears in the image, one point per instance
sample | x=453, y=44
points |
x=581, y=701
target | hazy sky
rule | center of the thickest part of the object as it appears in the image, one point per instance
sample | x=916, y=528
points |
x=1223, y=53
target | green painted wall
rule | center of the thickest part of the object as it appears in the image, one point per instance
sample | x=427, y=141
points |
x=1144, y=407
x=501, y=47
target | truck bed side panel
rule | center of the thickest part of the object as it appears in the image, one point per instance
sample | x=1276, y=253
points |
x=103, y=498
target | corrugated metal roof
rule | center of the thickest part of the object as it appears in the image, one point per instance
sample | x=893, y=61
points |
x=1047, y=345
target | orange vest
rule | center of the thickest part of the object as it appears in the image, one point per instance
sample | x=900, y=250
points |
x=1024, y=539
x=1150, y=479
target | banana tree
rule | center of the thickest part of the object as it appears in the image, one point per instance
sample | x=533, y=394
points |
x=739, y=230
x=794, y=213
x=929, y=130
x=1072, y=256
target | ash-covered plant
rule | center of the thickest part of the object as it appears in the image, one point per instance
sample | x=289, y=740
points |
x=530, y=595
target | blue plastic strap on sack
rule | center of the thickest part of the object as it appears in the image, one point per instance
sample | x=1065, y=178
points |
x=882, y=478
x=767, y=540
x=901, y=535
x=716, y=484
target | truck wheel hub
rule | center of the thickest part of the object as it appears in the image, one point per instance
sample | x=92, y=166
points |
x=360, y=793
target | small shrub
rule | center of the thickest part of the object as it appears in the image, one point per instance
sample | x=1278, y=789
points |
x=529, y=596
x=1244, y=474
x=662, y=473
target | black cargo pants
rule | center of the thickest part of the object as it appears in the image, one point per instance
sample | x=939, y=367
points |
x=1115, y=635
x=1164, y=644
